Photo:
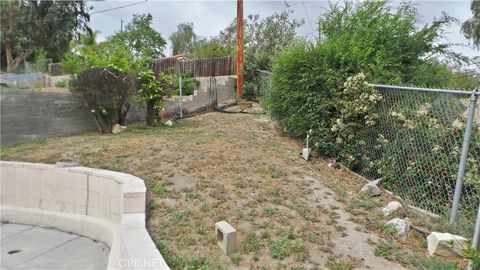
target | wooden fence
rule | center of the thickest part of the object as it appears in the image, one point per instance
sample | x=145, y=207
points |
x=220, y=66
x=54, y=69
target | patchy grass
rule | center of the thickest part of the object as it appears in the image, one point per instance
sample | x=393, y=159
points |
x=289, y=214
x=287, y=245
x=340, y=264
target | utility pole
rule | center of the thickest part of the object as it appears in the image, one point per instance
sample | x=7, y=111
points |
x=121, y=25
x=240, y=48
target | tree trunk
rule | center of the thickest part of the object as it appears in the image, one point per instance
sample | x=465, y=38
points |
x=122, y=114
x=13, y=64
x=149, y=118
x=105, y=125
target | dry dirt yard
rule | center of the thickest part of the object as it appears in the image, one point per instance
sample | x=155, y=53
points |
x=289, y=213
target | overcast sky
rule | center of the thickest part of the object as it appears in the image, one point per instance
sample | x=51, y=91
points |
x=210, y=17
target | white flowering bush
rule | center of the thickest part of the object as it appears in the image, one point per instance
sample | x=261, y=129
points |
x=357, y=107
x=416, y=151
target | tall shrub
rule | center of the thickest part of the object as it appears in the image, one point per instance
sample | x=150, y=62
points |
x=104, y=91
x=309, y=82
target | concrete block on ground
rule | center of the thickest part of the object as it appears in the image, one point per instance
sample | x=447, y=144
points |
x=446, y=244
x=226, y=237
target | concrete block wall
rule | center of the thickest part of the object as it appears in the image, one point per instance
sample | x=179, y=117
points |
x=28, y=115
x=103, y=205
x=203, y=95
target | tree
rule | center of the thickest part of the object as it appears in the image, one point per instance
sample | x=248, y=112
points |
x=383, y=42
x=140, y=38
x=153, y=89
x=29, y=24
x=104, y=92
x=471, y=27
x=209, y=48
x=263, y=40
x=184, y=39
x=107, y=56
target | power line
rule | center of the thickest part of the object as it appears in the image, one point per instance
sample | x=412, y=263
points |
x=308, y=16
x=110, y=9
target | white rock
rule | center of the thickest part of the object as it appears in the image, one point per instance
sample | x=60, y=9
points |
x=446, y=244
x=169, y=123
x=402, y=226
x=391, y=207
x=116, y=128
x=376, y=182
x=371, y=189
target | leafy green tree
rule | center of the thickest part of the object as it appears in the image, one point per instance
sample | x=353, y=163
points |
x=263, y=40
x=184, y=39
x=471, y=27
x=153, y=89
x=29, y=24
x=385, y=42
x=141, y=39
x=209, y=48
x=107, y=56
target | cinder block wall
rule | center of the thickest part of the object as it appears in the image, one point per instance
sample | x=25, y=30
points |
x=28, y=115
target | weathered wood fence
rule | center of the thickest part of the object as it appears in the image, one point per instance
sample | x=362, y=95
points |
x=220, y=66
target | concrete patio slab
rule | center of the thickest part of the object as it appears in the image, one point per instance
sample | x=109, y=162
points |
x=29, y=247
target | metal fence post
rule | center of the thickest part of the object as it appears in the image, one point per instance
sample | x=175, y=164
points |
x=463, y=160
x=476, y=236
x=181, y=98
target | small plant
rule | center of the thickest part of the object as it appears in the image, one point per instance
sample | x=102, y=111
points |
x=251, y=243
x=286, y=246
x=189, y=84
x=61, y=84
x=389, y=230
x=195, y=263
x=201, y=228
x=153, y=89
x=387, y=252
x=311, y=237
x=236, y=258
x=474, y=256
x=270, y=210
x=150, y=204
x=336, y=264
x=159, y=190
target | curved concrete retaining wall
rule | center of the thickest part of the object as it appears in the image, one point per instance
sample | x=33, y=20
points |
x=103, y=205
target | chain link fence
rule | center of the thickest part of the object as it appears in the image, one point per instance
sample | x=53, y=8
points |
x=416, y=148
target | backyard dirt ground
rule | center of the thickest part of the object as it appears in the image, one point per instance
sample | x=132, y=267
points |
x=289, y=213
